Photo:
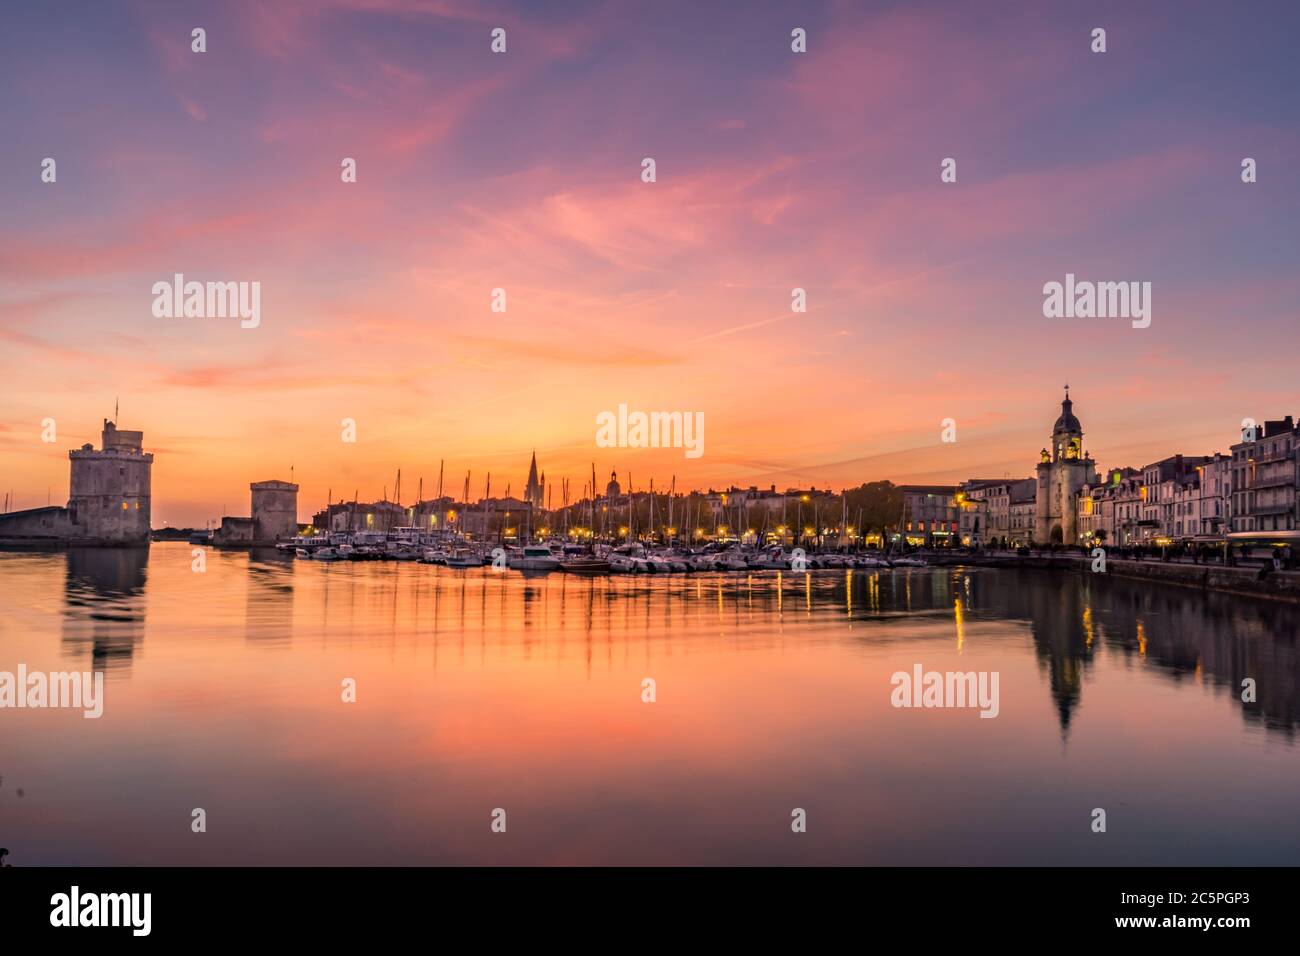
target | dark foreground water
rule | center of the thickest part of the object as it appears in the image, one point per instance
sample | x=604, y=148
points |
x=477, y=691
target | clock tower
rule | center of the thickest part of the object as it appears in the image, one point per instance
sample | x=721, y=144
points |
x=1063, y=470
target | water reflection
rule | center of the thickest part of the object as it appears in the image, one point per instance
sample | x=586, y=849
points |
x=268, y=617
x=104, y=604
x=1182, y=635
x=479, y=689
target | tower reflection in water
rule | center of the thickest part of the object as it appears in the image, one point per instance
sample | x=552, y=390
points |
x=268, y=617
x=1184, y=634
x=104, y=605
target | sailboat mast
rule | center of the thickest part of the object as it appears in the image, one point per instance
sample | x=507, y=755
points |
x=672, y=493
x=442, y=521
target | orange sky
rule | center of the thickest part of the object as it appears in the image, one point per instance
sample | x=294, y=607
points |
x=521, y=171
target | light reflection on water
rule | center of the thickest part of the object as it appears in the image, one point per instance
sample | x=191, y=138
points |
x=479, y=690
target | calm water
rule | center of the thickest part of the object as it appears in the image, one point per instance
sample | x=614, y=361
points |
x=477, y=691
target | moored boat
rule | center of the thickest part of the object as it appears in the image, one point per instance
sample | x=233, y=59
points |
x=732, y=561
x=586, y=566
x=464, y=558
x=533, y=558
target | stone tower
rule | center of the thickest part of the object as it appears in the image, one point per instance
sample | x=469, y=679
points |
x=275, y=510
x=1061, y=473
x=110, y=494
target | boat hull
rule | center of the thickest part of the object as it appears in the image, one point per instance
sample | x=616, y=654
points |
x=588, y=568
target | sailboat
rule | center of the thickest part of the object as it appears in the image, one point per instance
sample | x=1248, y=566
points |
x=589, y=565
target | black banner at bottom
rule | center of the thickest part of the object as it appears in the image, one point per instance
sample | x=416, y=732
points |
x=609, y=905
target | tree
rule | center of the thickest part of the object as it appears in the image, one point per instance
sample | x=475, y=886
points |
x=880, y=503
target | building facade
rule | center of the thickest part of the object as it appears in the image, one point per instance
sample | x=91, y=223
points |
x=1215, y=505
x=1264, y=478
x=931, y=515
x=1022, y=513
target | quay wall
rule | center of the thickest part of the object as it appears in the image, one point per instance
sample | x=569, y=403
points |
x=1236, y=580
x=56, y=527
x=37, y=526
x=1283, y=585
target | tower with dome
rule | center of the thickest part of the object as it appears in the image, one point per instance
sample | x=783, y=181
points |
x=1063, y=469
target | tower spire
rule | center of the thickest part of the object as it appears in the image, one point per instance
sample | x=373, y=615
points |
x=533, y=489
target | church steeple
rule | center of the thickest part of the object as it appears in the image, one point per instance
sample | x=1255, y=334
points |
x=533, y=490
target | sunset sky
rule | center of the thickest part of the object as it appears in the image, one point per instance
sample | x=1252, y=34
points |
x=522, y=171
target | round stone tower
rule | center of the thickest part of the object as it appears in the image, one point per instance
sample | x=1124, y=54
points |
x=275, y=511
x=110, y=494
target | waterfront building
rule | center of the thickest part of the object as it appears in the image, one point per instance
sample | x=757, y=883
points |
x=1062, y=471
x=495, y=518
x=972, y=519
x=986, y=510
x=931, y=515
x=779, y=505
x=1202, y=502
x=348, y=516
x=1105, y=508
x=1265, y=466
x=1022, y=512
x=1185, y=520
x=109, y=498
x=984, y=514
x=1214, y=511
x=1164, y=484
x=1091, y=521
x=433, y=513
x=1125, y=507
